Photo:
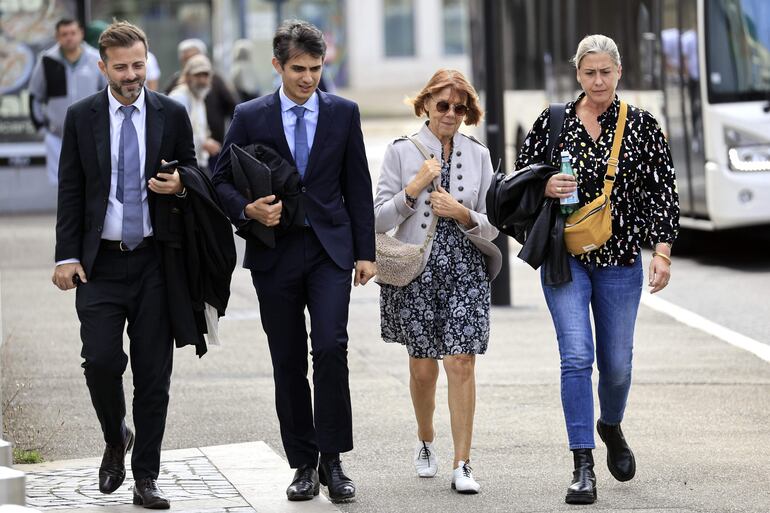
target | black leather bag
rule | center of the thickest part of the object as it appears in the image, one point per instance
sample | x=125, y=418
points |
x=517, y=207
x=286, y=184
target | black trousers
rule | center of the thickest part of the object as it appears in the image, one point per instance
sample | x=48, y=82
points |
x=128, y=287
x=306, y=276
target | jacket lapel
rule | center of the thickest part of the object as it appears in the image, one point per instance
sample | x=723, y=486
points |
x=325, y=122
x=153, y=136
x=100, y=121
x=276, y=128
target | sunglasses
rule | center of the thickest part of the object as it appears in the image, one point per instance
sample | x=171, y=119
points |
x=459, y=108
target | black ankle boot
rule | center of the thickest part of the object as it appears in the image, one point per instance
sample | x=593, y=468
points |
x=620, y=459
x=583, y=487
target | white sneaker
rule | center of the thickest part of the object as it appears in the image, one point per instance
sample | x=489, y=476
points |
x=425, y=462
x=462, y=479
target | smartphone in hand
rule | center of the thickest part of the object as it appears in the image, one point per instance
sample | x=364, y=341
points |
x=165, y=167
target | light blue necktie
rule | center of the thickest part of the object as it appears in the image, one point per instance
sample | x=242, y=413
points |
x=129, y=189
x=301, y=150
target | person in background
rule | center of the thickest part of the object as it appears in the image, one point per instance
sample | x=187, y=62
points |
x=443, y=314
x=153, y=72
x=65, y=73
x=244, y=73
x=220, y=101
x=606, y=282
x=195, y=84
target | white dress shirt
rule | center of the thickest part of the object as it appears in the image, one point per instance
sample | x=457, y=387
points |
x=113, y=221
x=196, y=111
x=290, y=119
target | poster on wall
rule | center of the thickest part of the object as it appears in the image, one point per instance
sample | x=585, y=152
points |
x=26, y=28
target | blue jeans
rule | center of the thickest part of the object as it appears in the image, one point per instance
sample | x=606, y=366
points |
x=613, y=294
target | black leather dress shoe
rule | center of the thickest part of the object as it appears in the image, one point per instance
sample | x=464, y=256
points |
x=583, y=487
x=147, y=494
x=305, y=484
x=620, y=459
x=112, y=471
x=341, y=487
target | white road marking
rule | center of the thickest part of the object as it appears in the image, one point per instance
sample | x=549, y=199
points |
x=701, y=323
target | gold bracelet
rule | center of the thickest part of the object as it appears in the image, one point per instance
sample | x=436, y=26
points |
x=661, y=255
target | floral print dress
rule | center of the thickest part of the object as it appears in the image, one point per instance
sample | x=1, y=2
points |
x=445, y=310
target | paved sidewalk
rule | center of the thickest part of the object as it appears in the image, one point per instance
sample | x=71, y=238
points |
x=238, y=478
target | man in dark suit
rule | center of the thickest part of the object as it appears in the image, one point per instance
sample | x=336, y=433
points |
x=311, y=266
x=114, y=142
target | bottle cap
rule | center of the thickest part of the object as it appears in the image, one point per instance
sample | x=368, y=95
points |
x=565, y=153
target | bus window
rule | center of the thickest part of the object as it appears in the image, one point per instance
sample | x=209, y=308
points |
x=738, y=40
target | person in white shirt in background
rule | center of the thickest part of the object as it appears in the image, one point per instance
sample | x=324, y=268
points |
x=191, y=92
x=153, y=72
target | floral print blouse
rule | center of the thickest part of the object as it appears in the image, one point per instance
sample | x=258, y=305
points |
x=645, y=204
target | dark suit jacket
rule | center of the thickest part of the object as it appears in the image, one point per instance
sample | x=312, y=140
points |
x=84, y=168
x=198, y=254
x=517, y=207
x=336, y=189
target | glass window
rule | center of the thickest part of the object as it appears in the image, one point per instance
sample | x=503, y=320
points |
x=455, y=26
x=159, y=19
x=738, y=50
x=399, y=28
x=540, y=37
x=262, y=17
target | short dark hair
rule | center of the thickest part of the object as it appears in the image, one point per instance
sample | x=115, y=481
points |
x=120, y=34
x=296, y=37
x=66, y=21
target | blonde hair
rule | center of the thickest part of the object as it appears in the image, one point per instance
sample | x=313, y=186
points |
x=457, y=82
x=596, y=43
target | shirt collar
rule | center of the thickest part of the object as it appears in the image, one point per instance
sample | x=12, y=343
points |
x=287, y=104
x=115, y=104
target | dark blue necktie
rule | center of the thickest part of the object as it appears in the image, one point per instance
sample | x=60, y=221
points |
x=129, y=189
x=301, y=150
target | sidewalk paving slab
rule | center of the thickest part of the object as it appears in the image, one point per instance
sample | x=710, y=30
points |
x=235, y=478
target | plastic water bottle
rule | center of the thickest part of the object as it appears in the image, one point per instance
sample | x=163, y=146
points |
x=571, y=202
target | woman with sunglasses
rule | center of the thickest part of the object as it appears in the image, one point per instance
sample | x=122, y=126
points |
x=443, y=314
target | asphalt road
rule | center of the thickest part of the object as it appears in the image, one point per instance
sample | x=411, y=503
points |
x=725, y=277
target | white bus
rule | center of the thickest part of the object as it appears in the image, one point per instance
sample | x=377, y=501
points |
x=701, y=67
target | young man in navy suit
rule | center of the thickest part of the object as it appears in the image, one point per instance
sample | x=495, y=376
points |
x=309, y=267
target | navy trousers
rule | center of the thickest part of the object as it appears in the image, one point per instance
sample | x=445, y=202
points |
x=305, y=276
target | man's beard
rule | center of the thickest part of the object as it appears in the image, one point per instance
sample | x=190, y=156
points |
x=120, y=88
x=200, y=92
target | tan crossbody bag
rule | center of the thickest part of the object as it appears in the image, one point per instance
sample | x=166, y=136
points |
x=589, y=227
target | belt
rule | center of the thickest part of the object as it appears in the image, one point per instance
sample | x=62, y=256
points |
x=117, y=245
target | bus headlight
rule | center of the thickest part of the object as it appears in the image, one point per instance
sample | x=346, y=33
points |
x=746, y=152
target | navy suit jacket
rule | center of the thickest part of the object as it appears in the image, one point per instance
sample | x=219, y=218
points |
x=337, y=187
